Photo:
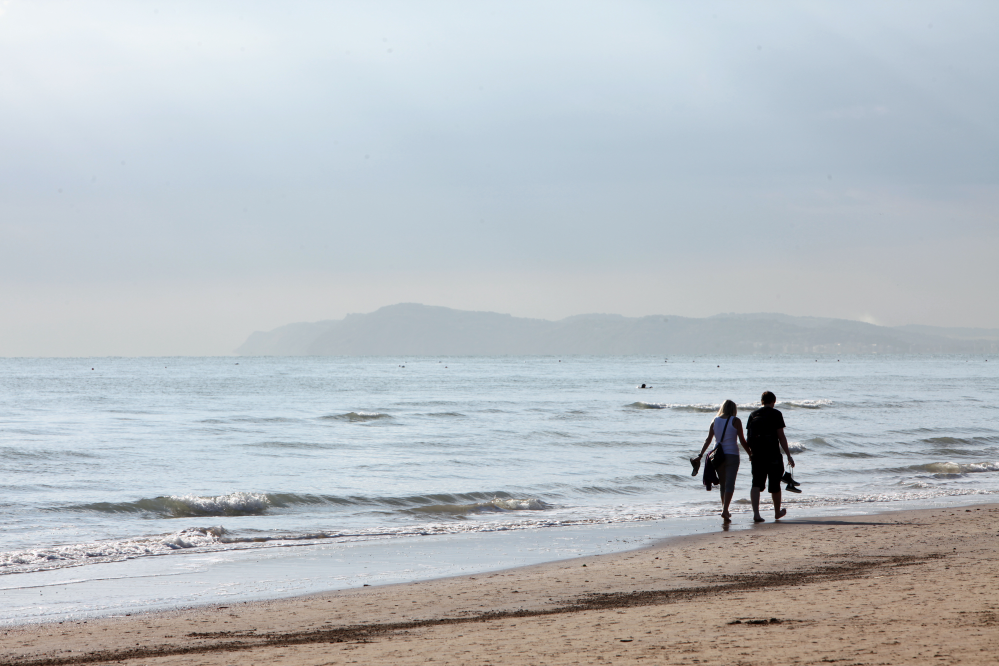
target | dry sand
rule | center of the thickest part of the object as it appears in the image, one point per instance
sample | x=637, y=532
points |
x=912, y=587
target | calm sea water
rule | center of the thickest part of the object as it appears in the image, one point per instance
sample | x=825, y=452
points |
x=107, y=460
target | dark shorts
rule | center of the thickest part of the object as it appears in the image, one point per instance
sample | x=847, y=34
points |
x=770, y=469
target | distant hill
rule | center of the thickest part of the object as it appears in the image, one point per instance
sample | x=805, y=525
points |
x=410, y=329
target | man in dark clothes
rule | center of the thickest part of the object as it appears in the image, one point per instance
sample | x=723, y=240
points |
x=765, y=428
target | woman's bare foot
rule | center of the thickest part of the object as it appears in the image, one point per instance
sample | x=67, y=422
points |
x=783, y=512
x=759, y=519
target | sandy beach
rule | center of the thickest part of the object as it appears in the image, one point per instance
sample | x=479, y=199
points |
x=903, y=587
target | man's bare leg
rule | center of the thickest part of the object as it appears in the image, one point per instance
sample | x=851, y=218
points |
x=754, y=496
x=778, y=512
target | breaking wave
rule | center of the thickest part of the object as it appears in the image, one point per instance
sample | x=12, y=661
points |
x=255, y=504
x=187, y=506
x=714, y=407
x=666, y=405
x=495, y=505
x=57, y=557
x=801, y=404
x=955, y=468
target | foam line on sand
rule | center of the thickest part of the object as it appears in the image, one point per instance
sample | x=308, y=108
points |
x=901, y=587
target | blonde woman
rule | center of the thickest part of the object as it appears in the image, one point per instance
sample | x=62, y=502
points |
x=727, y=429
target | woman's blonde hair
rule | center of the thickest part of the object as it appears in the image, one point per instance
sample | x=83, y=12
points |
x=728, y=409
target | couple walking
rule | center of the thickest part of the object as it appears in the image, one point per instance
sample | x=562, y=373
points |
x=765, y=429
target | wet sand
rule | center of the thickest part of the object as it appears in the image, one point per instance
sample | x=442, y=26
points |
x=902, y=587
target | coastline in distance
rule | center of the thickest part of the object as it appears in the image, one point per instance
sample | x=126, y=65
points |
x=412, y=329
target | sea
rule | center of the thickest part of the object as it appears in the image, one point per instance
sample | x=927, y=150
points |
x=136, y=484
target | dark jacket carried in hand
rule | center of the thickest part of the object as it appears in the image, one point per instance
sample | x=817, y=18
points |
x=710, y=476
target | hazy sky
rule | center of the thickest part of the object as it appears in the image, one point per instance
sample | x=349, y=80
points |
x=174, y=176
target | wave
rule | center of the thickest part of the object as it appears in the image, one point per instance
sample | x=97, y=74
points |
x=961, y=441
x=357, y=417
x=955, y=468
x=868, y=498
x=714, y=407
x=495, y=505
x=187, y=506
x=666, y=405
x=609, y=490
x=961, y=446
x=249, y=419
x=796, y=447
x=255, y=504
x=802, y=404
x=287, y=445
x=18, y=453
x=108, y=551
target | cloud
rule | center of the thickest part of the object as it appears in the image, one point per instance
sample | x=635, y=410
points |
x=856, y=112
x=145, y=146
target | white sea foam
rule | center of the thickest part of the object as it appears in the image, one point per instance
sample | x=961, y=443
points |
x=530, y=504
x=233, y=504
x=868, y=498
x=803, y=404
x=96, y=552
x=706, y=407
x=494, y=505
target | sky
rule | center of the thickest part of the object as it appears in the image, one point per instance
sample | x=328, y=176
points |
x=176, y=175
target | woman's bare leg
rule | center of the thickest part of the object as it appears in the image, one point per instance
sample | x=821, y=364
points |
x=726, y=500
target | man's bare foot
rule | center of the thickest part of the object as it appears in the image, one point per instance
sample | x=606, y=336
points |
x=759, y=519
x=783, y=512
